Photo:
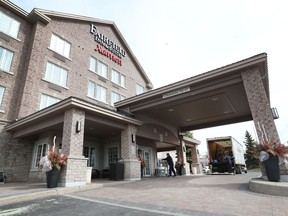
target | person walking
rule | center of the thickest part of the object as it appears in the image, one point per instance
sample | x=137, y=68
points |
x=228, y=160
x=171, y=164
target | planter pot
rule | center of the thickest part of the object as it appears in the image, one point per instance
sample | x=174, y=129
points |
x=272, y=168
x=52, y=178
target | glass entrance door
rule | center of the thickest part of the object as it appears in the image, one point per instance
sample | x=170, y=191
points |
x=90, y=153
x=147, y=158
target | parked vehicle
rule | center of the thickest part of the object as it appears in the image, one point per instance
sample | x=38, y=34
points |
x=219, y=147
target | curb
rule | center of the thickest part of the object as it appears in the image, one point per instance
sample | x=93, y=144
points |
x=259, y=185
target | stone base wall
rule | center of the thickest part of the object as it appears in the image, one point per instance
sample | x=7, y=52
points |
x=74, y=173
x=35, y=176
x=15, y=156
x=132, y=170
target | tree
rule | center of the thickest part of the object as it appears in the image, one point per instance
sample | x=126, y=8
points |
x=251, y=145
x=188, y=134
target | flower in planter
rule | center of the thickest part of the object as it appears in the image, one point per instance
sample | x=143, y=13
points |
x=57, y=159
x=267, y=149
x=54, y=159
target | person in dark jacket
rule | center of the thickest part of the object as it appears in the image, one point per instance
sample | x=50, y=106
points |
x=228, y=160
x=171, y=164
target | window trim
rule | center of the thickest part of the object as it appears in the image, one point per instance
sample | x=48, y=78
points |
x=49, y=96
x=2, y=96
x=95, y=91
x=119, y=78
x=34, y=165
x=117, y=156
x=61, y=68
x=54, y=50
x=139, y=85
x=16, y=22
x=121, y=97
x=5, y=50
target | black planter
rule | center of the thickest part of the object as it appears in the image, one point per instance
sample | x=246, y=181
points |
x=272, y=168
x=52, y=178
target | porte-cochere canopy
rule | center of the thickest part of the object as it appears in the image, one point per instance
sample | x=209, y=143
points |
x=214, y=98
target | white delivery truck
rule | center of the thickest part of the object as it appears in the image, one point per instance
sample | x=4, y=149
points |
x=218, y=148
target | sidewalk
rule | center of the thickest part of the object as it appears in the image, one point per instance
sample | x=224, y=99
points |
x=22, y=191
x=17, y=192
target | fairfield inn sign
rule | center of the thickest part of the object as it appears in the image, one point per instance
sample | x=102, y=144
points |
x=106, y=46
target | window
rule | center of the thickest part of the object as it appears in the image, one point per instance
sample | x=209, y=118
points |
x=8, y=25
x=112, y=154
x=41, y=151
x=47, y=100
x=5, y=59
x=93, y=64
x=60, y=46
x=102, y=69
x=139, y=89
x=115, y=97
x=118, y=78
x=90, y=153
x=56, y=74
x=2, y=90
x=97, y=92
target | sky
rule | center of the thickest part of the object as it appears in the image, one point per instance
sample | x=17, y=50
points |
x=188, y=37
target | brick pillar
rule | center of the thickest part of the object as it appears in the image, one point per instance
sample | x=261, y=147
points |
x=128, y=153
x=260, y=106
x=72, y=144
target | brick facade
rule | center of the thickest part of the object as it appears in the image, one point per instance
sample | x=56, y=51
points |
x=25, y=84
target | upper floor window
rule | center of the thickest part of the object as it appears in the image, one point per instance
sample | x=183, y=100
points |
x=2, y=90
x=98, y=67
x=115, y=97
x=8, y=25
x=47, y=100
x=97, y=92
x=118, y=78
x=139, y=89
x=56, y=74
x=60, y=45
x=5, y=59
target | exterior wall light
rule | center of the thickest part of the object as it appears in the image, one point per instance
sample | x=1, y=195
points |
x=78, y=126
x=274, y=113
x=133, y=138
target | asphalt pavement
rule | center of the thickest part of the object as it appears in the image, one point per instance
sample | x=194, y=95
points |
x=204, y=195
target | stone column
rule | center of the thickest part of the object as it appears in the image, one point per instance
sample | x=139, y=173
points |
x=181, y=152
x=129, y=155
x=260, y=106
x=74, y=173
x=261, y=110
x=195, y=160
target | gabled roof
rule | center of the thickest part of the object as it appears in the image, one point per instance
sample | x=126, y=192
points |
x=45, y=16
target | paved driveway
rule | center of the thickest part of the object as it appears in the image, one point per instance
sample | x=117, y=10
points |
x=218, y=194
